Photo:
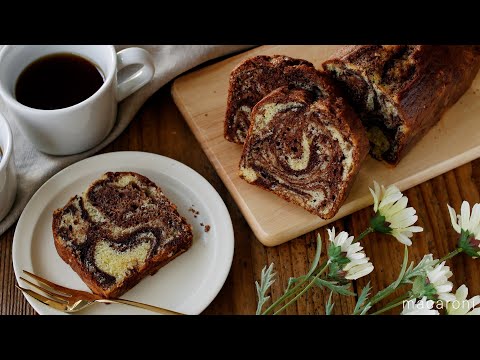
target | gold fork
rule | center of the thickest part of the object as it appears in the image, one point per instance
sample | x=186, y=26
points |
x=70, y=301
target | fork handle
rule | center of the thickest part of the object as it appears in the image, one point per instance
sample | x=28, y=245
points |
x=139, y=305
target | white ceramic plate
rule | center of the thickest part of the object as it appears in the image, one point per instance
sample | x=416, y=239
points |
x=187, y=284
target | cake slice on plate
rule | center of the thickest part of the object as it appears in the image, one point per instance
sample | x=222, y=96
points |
x=120, y=230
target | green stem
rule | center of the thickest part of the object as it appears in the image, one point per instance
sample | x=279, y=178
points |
x=396, y=300
x=288, y=293
x=302, y=292
x=369, y=230
x=450, y=255
x=395, y=303
x=383, y=294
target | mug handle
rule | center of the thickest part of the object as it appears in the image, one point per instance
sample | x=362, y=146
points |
x=131, y=56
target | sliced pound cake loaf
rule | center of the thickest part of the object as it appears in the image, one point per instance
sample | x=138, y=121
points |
x=120, y=230
x=305, y=146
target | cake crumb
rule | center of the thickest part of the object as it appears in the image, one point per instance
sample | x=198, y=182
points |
x=207, y=228
x=194, y=212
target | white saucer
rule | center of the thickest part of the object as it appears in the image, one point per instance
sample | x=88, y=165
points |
x=188, y=284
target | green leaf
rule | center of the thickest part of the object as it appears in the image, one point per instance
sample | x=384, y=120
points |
x=418, y=286
x=379, y=224
x=334, y=252
x=420, y=289
x=266, y=281
x=421, y=269
x=365, y=309
x=430, y=292
x=362, y=298
x=334, y=269
x=464, y=242
x=291, y=281
x=316, y=259
x=329, y=305
x=333, y=286
x=342, y=261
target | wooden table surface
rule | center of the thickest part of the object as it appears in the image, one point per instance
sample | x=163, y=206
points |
x=159, y=128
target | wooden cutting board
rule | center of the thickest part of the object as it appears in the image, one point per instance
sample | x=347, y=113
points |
x=201, y=97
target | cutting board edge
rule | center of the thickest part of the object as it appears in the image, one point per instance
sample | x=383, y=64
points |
x=257, y=229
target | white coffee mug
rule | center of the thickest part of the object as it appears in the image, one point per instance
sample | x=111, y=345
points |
x=8, y=177
x=84, y=125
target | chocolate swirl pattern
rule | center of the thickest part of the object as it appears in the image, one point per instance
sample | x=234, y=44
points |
x=120, y=230
x=305, y=146
x=251, y=81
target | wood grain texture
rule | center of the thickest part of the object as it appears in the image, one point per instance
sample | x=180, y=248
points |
x=202, y=95
x=160, y=128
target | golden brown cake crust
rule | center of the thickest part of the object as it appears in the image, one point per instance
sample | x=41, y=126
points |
x=250, y=81
x=305, y=146
x=402, y=90
x=125, y=216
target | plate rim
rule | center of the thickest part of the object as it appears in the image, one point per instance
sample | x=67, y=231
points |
x=24, y=223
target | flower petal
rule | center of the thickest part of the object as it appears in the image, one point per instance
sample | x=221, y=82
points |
x=448, y=297
x=475, y=301
x=375, y=200
x=401, y=237
x=465, y=215
x=474, y=219
x=474, y=312
x=399, y=205
x=462, y=293
x=444, y=288
x=453, y=219
x=359, y=270
x=331, y=234
x=403, y=222
x=414, y=229
x=390, y=199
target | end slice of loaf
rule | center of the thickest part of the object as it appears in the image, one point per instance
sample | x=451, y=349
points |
x=401, y=91
x=120, y=230
x=250, y=81
x=305, y=146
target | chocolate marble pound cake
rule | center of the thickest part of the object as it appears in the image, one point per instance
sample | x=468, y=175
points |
x=251, y=81
x=120, y=230
x=401, y=91
x=305, y=146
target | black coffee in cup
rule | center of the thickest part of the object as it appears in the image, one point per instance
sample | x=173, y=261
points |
x=58, y=81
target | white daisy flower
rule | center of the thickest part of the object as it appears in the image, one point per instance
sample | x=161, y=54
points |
x=468, y=225
x=438, y=277
x=359, y=264
x=466, y=221
x=427, y=262
x=399, y=218
x=422, y=307
x=462, y=306
x=358, y=268
x=352, y=251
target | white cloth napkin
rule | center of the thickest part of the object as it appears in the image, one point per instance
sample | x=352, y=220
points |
x=34, y=168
